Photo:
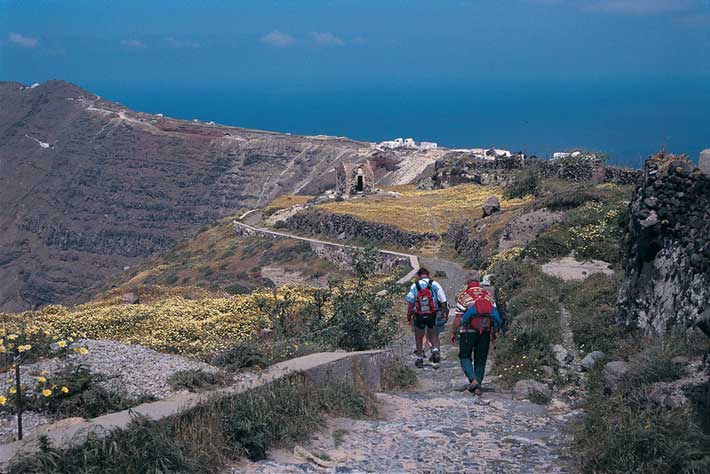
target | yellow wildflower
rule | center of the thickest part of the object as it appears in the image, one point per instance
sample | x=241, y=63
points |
x=3, y=400
x=83, y=351
x=47, y=392
x=65, y=390
x=41, y=380
x=13, y=389
x=12, y=337
x=62, y=343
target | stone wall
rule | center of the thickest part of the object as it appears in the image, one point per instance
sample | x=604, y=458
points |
x=460, y=169
x=342, y=257
x=346, y=227
x=667, y=263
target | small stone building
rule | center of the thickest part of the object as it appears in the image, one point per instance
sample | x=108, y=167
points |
x=354, y=178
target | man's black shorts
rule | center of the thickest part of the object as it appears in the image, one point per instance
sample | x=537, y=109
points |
x=425, y=321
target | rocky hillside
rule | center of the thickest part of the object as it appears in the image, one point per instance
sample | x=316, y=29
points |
x=89, y=187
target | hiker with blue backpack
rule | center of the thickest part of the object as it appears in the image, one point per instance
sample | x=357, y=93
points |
x=427, y=304
x=476, y=322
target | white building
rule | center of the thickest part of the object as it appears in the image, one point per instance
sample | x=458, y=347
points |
x=574, y=154
x=405, y=143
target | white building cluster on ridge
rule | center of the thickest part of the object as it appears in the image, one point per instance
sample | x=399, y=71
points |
x=406, y=143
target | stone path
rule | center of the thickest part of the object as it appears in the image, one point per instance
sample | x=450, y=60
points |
x=435, y=428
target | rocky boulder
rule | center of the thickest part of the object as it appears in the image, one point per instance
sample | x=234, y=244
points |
x=490, y=206
x=531, y=390
x=590, y=360
x=129, y=298
x=613, y=373
x=561, y=355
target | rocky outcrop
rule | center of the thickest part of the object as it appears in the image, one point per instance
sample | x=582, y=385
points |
x=458, y=168
x=346, y=227
x=667, y=283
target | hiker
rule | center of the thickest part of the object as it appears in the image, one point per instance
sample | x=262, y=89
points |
x=477, y=319
x=427, y=301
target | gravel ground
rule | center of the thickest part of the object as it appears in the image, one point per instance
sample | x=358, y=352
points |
x=130, y=369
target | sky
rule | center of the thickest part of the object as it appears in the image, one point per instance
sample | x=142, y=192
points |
x=258, y=54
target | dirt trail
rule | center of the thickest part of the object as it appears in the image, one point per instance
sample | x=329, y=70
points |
x=436, y=427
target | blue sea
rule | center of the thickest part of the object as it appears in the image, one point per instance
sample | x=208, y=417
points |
x=628, y=120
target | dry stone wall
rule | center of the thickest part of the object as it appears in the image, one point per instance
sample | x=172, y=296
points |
x=346, y=227
x=667, y=263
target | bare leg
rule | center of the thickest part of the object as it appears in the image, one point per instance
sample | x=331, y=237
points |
x=419, y=339
x=433, y=337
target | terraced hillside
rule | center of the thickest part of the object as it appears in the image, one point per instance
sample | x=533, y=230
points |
x=89, y=187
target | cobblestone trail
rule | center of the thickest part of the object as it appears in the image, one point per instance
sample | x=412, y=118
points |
x=438, y=427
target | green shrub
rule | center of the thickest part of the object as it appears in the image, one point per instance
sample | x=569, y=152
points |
x=570, y=199
x=592, y=306
x=547, y=246
x=398, y=375
x=194, y=380
x=524, y=184
x=241, y=356
x=238, y=289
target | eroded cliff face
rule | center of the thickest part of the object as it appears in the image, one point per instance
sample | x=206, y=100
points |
x=667, y=282
x=88, y=186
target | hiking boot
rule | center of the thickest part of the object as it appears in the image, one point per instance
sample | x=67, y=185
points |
x=419, y=363
x=435, y=356
x=473, y=387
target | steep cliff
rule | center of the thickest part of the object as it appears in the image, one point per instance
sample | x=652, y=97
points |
x=667, y=281
x=88, y=187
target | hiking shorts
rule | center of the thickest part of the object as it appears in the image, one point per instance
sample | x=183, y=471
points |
x=424, y=321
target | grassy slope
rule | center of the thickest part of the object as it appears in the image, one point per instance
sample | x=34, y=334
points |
x=421, y=210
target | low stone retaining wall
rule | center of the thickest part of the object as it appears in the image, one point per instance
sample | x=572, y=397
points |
x=319, y=246
x=361, y=368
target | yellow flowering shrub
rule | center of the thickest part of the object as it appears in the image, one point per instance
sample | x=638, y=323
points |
x=178, y=325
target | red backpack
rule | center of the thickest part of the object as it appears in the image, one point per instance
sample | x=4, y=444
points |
x=426, y=302
x=482, y=301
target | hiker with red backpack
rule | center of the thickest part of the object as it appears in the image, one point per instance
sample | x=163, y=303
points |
x=476, y=322
x=427, y=301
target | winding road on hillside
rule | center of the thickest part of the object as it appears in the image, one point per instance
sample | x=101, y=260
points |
x=437, y=427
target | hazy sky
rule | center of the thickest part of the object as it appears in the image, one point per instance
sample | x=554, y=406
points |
x=341, y=41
